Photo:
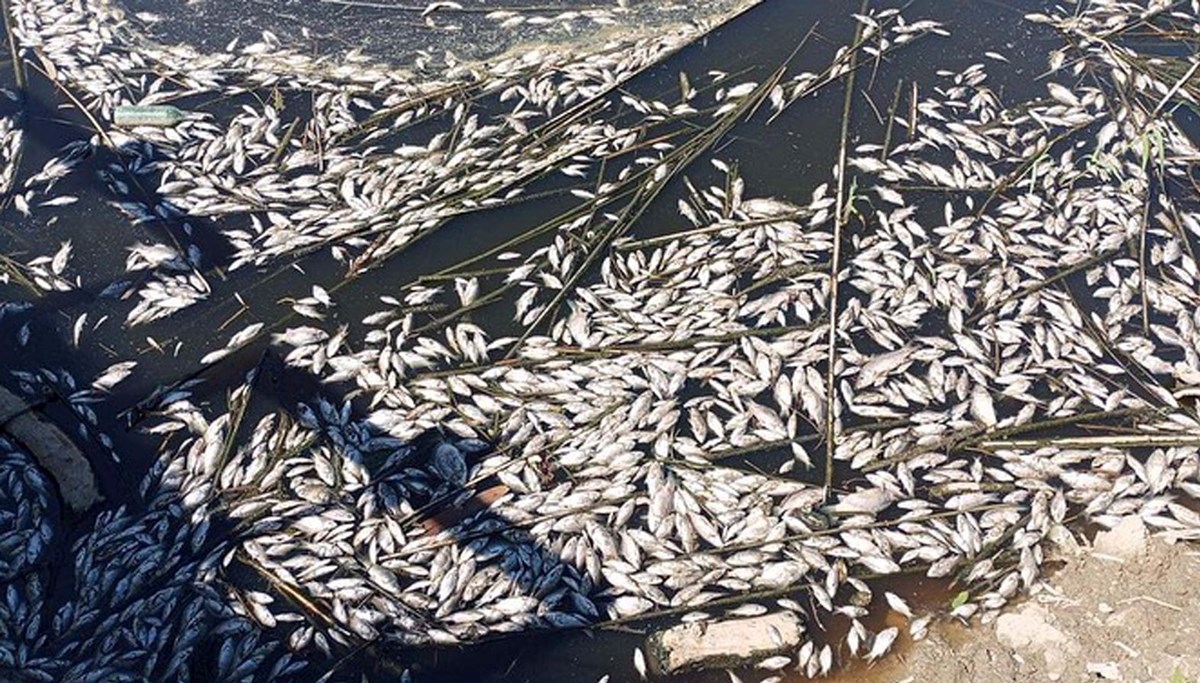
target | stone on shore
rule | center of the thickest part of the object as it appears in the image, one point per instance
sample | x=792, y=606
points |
x=1126, y=541
x=721, y=644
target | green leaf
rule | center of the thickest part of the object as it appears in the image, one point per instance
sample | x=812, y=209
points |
x=1178, y=677
x=961, y=599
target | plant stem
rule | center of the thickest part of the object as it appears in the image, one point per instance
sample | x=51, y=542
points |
x=835, y=265
x=18, y=64
x=1109, y=441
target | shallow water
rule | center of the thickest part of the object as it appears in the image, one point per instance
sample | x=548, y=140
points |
x=400, y=32
x=785, y=159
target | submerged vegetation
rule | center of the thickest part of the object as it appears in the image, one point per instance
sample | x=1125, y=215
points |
x=949, y=341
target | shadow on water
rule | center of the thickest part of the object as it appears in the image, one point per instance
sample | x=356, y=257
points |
x=101, y=177
x=463, y=516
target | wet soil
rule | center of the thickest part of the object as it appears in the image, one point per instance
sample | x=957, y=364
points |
x=1119, y=609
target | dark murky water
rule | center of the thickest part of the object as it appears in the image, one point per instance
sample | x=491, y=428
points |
x=784, y=159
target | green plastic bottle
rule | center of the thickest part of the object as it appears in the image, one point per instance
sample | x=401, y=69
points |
x=127, y=115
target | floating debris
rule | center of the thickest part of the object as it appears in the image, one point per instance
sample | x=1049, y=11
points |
x=52, y=449
x=128, y=115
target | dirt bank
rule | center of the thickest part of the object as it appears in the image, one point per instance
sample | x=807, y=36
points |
x=1121, y=609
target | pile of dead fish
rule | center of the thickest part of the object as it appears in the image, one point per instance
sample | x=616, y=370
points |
x=1028, y=270
x=144, y=601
